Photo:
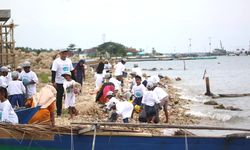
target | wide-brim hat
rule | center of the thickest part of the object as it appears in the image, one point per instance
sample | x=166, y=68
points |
x=66, y=73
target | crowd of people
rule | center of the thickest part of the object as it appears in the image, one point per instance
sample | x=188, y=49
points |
x=18, y=90
x=122, y=95
x=119, y=93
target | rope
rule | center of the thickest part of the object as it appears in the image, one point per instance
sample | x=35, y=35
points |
x=72, y=140
x=93, y=143
x=186, y=142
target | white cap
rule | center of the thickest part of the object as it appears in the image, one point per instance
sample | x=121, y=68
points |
x=4, y=69
x=26, y=64
x=14, y=74
x=150, y=85
x=66, y=73
x=18, y=67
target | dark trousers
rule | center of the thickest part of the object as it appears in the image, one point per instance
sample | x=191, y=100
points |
x=17, y=100
x=59, y=97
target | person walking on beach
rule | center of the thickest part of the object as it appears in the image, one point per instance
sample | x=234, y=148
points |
x=60, y=65
x=79, y=71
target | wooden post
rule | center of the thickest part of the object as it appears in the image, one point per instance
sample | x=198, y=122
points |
x=208, y=92
x=184, y=63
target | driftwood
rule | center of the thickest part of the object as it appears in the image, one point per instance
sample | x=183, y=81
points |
x=230, y=95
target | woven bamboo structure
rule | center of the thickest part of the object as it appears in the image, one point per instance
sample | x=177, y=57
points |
x=7, y=42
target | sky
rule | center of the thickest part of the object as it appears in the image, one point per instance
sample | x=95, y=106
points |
x=165, y=25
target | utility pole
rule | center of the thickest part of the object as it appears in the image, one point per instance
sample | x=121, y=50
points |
x=210, y=44
x=103, y=38
x=249, y=46
x=190, y=45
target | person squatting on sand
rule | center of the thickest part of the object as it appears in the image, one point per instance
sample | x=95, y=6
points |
x=118, y=108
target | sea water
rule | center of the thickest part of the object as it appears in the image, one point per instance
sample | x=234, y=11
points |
x=227, y=74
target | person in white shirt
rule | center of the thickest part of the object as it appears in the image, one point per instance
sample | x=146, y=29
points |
x=120, y=70
x=16, y=91
x=29, y=80
x=138, y=91
x=117, y=82
x=70, y=90
x=149, y=101
x=4, y=78
x=60, y=65
x=7, y=113
x=163, y=97
x=123, y=109
x=155, y=79
x=107, y=66
x=99, y=75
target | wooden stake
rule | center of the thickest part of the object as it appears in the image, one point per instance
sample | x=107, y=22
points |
x=208, y=93
x=184, y=63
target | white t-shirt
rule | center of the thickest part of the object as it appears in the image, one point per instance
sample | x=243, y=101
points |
x=154, y=78
x=107, y=67
x=161, y=94
x=137, y=70
x=7, y=113
x=70, y=97
x=119, y=68
x=3, y=81
x=61, y=66
x=27, y=77
x=138, y=91
x=150, y=98
x=124, y=109
x=116, y=83
x=98, y=80
x=16, y=87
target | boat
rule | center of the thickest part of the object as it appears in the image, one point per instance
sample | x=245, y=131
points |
x=101, y=136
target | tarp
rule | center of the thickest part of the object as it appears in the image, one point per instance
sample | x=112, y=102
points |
x=25, y=114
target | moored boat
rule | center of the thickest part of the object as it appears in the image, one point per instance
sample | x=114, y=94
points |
x=102, y=136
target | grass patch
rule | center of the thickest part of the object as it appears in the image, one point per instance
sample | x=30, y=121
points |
x=43, y=77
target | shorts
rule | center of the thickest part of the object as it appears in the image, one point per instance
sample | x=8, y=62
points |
x=164, y=101
x=150, y=111
x=137, y=101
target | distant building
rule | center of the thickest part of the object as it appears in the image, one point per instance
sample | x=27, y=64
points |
x=132, y=51
x=92, y=52
x=219, y=52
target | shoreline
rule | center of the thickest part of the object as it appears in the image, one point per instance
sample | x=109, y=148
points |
x=89, y=110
